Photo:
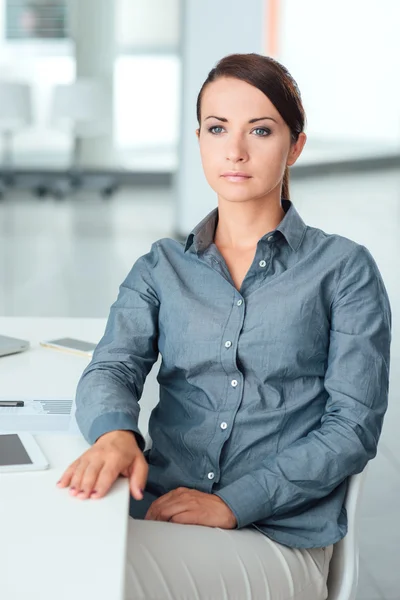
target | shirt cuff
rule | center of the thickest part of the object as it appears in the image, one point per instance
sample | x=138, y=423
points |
x=113, y=421
x=247, y=499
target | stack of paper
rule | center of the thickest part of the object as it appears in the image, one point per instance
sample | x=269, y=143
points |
x=39, y=416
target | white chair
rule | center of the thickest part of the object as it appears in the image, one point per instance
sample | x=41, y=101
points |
x=344, y=566
x=15, y=114
x=82, y=109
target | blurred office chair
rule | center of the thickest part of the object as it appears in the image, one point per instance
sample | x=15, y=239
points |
x=15, y=114
x=344, y=566
x=82, y=108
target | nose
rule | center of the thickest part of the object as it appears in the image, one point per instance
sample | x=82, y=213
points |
x=236, y=150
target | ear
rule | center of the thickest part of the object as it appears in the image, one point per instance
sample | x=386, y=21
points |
x=296, y=149
x=198, y=133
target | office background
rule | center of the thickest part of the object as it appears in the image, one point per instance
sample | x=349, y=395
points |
x=78, y=206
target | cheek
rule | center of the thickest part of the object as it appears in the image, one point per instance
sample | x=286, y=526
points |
x=272, y=152
x=271, y=162
x=210, y=159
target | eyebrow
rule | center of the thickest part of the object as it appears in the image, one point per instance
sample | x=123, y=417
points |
x=251, y=120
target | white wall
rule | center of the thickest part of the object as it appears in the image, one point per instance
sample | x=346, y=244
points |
x=210, y=30
x=148, y=23
x=345, y=57
x=146, y=102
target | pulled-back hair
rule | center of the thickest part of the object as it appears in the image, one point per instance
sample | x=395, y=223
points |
x=271, y=78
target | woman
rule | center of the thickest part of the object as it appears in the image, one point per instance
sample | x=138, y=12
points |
x=275, y=343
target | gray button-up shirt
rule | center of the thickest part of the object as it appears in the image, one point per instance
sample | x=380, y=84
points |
x=270, y=396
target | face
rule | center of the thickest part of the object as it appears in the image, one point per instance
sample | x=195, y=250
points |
x=245, y=144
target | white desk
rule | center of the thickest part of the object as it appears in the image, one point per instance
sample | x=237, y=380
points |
x=53, y=546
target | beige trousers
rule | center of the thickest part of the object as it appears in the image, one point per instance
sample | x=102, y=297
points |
x=169, y=561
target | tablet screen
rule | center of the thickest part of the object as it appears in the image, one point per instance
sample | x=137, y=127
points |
x=74, y=344
x=12, y=451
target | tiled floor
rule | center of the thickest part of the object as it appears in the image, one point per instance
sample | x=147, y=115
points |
x=68, y=259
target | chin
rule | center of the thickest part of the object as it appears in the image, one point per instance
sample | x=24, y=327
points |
x=245, y=193
x=236, y=195
x=235, y=199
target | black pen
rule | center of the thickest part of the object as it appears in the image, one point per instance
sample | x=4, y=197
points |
x=11, y=403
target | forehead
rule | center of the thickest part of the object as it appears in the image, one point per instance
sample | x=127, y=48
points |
x=229, y=97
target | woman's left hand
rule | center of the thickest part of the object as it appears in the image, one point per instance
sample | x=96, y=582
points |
x=187, y=506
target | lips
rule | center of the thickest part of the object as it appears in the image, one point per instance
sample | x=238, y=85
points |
x=236, y=176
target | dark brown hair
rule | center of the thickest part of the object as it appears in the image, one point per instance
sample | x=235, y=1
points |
x=271, y=78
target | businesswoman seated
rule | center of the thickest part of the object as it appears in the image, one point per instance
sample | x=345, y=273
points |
x=275, y=340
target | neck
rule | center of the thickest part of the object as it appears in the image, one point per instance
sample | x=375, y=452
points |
x=242, y=224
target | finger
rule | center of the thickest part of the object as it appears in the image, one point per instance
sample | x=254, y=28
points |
x=170, y=509
x=66, y=477
x=106, y=477
x=156, y=506
x=75, y=484
x=138, y=478
x=150, y=513
x=89, y=479
x=188, y=517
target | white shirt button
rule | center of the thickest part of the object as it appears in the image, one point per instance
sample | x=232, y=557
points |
x=211, y=475
x=224, y=425
x=228, y=344
x=270, y=238
x=234, y=383
x=239, y=302
x=262, y=263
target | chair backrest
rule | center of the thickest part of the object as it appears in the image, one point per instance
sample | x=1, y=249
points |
x=15, y=105
x=148, y=441
x=343, y=570
x=81, y=106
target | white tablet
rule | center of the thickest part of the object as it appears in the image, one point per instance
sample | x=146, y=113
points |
x=20, y=452
x=71, y=345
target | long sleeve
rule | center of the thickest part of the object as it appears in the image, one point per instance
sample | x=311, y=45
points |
x=357, y=382
x=111, y=386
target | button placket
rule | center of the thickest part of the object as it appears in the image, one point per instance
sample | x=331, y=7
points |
x=228, y=360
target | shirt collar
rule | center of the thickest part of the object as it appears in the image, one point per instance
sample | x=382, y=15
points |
x=292, y=225
x=292, y=228
x=203, y=234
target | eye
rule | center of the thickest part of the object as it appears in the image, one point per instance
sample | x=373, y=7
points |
x=262, y=131
x=212, y=129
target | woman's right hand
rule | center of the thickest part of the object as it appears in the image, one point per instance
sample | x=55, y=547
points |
x=113, y=454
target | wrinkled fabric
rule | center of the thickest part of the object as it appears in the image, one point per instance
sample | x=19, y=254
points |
x=190, y=562
x=270, y=396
